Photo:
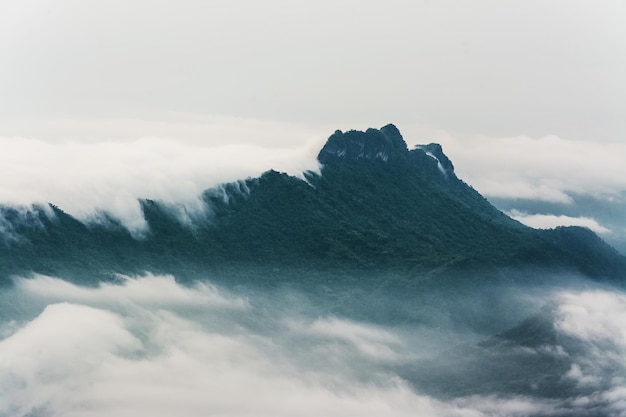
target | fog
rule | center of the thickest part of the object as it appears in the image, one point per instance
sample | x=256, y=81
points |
x=85, y=179
x=149, y=345
x=548, y=221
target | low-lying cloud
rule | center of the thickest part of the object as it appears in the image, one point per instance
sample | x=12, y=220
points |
x=549, y=221
x=598, y=319
x=85, y=179
x=150, y=346
x=147, y=290
x=74, y=359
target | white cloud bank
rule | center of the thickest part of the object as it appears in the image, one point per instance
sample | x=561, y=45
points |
x=86, y=178
x=550, y=221
x=78, y=360
x=598, y=319
x=147, y=290
x=111, y=350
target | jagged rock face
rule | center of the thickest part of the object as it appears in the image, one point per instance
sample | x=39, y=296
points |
x=387, y=145
x=384, y=144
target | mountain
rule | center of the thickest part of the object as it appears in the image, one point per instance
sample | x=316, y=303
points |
x=375, y=207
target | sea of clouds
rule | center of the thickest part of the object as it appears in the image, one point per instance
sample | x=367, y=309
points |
x=148, y=345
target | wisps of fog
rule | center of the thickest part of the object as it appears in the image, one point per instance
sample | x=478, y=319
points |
x=85, y=179
x=151, y=346
x=548, y=221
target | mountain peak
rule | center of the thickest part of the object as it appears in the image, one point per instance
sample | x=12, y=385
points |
x=384, y=144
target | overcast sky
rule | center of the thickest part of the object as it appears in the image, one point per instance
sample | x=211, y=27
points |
x=527, y=97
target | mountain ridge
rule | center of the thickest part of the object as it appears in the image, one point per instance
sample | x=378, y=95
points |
x=375, y=206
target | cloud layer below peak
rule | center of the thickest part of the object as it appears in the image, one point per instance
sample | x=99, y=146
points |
x=110, y=176
x=197, y=351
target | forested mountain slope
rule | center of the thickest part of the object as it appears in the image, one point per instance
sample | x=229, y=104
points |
x=375, y=206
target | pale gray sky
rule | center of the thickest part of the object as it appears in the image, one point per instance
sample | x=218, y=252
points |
x=486, y=66
x=493, y=81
